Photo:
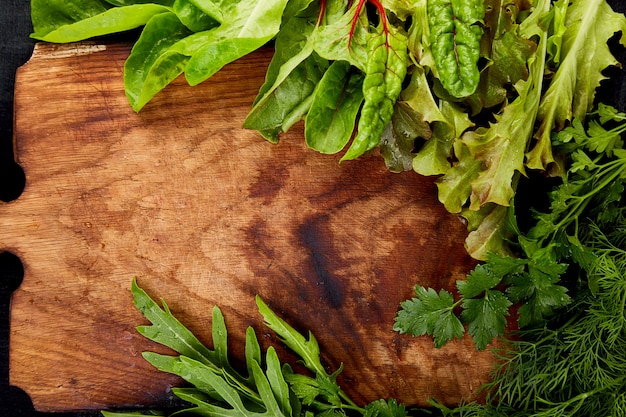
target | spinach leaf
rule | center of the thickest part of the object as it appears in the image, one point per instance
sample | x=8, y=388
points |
x=153, y=62
x=75, y=20
x=331, y=118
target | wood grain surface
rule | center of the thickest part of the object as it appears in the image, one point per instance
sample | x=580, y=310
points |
x=204, y=212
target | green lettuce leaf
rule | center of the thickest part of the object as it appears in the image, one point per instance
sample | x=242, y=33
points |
x=583, y=55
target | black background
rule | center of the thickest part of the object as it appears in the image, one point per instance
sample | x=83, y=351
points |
x=15, y=49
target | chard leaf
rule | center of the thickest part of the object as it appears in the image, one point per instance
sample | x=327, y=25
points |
x=584, y=55
x=344, y=36
x=332, y=116
x=385, y=72
x=74, y=20
x=455, y=36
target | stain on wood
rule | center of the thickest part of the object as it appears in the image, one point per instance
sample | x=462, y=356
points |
x=204, y=212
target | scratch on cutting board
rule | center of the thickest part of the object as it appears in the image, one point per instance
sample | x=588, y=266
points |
x=56, y=51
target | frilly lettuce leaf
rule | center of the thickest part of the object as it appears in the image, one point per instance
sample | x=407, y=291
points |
x=583, y=55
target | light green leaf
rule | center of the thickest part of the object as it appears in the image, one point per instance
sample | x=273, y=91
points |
x=194, y=18
x=73, y=20
x=166, y=329
x=584, y=55
x=308, y=350
x=490, y=234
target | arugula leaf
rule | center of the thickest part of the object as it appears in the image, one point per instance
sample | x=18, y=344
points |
x=166, y=329
x=308, y=350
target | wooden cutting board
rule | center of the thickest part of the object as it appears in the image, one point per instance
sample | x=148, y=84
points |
x=204, y=212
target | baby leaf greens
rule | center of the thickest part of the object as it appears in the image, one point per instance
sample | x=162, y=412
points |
x=466, y=90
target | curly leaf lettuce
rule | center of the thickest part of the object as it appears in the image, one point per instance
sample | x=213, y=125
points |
x=583, y=54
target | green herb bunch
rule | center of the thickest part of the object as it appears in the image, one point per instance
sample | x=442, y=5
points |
x=569, y=282
x=550, y=258
x=266, y=388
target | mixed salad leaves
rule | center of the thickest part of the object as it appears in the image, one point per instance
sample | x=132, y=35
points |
x=489, y=96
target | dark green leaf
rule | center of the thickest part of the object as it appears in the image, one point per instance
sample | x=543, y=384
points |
x=332, y=116
x=486, y=317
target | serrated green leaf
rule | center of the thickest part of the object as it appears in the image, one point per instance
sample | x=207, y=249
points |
x=308, y=350
x=166, y=329
x=430, y=313
x=305, y=388
x=479, y=280
x=382, y=408
x=486, y=317
x=490, y=233
x=584, y=56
